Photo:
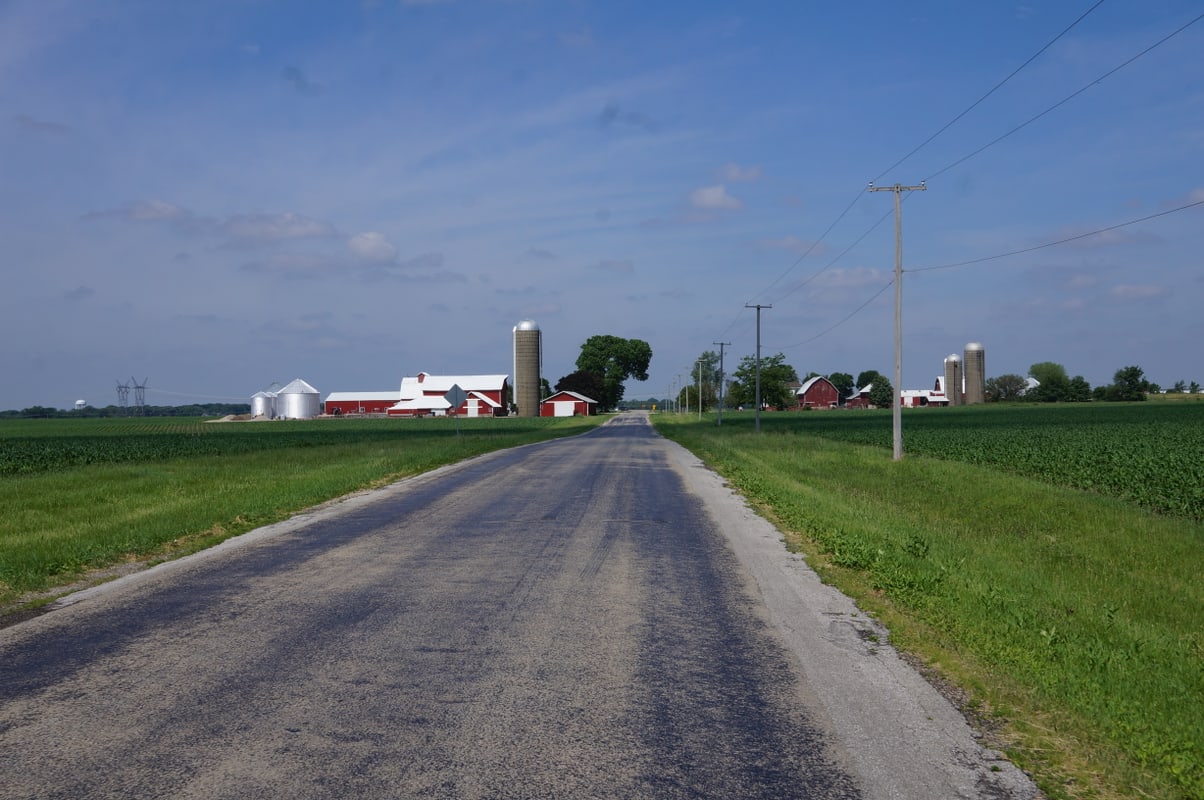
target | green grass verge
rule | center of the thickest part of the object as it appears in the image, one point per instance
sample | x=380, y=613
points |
x=1072, y=620
x=56, y=526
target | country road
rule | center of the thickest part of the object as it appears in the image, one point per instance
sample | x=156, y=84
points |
x=597, y=617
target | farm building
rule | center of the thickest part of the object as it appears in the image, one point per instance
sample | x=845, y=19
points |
x=817, y=392
x=424, y=395
x=298, y=400
x=936, y=396
x=860, y=398
x=568, y=404
x=339, y=403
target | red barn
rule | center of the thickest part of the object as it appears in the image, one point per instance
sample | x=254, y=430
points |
x=339, y=403
x=818, y=392
x=423, y=396
x=568, y=404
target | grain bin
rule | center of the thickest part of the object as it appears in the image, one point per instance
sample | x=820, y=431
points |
x=953, y=379
x=528, y=358
x=976, y=373
x=263, y=404
x=298, y=400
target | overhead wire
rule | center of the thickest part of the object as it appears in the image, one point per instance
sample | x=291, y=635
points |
x=999, y=139
x=914, y=150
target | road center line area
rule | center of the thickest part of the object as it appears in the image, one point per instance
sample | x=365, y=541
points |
x=595, y=617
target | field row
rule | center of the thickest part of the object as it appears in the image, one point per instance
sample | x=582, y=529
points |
x=1148, y=453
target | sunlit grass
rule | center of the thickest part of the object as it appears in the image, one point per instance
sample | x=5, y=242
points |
x=1074, y=617
x=56, y=526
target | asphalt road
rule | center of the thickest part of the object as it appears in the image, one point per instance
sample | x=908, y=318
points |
x=588, y=618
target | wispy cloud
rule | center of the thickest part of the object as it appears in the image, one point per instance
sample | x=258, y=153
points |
x=1137, y=291
x=297, y=79
x=738, y=174
x=372, y=247
x=621, y=266
x=713, y=198
x=28, y=123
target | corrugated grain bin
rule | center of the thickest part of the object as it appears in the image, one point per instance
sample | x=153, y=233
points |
x=298, y=400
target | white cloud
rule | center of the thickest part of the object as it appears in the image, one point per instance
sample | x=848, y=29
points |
x=714, y=197
x=1137, y=291
x=792, y=244
x=738, y=174
x=372, y=246
x=274, y=227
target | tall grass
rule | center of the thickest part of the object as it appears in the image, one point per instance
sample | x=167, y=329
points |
x=58, y=525
x=1074, y=620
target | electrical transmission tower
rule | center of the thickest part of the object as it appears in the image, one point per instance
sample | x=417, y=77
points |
x=123, y=397
x=140, y=396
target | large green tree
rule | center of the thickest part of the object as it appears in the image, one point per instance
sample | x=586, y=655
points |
x=883, y=394
x=1054, y=383
x=1005, y=388
x=583, y=382
x=776, y=375
x=616, y=360
x=1129, y=383
x=843, y=382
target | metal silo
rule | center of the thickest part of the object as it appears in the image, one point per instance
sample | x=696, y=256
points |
x=263, y=404
x=528, y=357
x=298, y=400
x=953, y=379
x=976, y=373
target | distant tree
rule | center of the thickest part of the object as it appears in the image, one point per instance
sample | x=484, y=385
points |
x=1128, y=384
x=705, y=374
x=1054, y=383
x=1078, y=390
x=776, y=375
x=883, y=394
x=545, y=388
x=843, y=382
x=1193, y=387
x=869, y=376
x=583, y=382
x=616, y=360
x=1005, y=388
x=1180, y=387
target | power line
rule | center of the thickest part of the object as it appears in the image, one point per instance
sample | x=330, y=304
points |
x=857, y=197
x=970, y=262
x=994, y=89
x=1066, y=99
x=1059, y=241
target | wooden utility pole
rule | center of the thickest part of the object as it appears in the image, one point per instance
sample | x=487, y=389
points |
x=897, y=411
x=720, y=379
x=758, y=307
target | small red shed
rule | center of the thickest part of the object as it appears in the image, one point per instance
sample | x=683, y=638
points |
x=568, y=404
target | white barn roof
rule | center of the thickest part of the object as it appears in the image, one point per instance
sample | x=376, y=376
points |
x=423, y=383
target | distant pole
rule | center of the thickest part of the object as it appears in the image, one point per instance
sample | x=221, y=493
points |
x=896, y=408
x=758, y=307
x=699, y=364
x=720, y=378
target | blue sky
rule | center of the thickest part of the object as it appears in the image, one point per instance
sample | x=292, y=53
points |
x=216, y=196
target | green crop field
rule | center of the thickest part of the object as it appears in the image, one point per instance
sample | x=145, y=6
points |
x=1149, y=453
x=1049, y=560
x=81, y=495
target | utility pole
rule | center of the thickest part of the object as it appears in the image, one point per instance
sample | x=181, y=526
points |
x=699, y=362
x=896, y=408
x=758, y=307
x=720, y=376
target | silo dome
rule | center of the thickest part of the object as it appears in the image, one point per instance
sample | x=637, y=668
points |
x=526, y=325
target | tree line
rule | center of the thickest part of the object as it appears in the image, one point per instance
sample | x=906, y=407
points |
x=194, y=410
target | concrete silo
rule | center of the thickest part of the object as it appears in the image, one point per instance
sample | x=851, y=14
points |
x=528, y=358
x=953, y=380
x=976, y=373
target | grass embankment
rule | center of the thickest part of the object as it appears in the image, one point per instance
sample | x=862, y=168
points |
x=1072, y=620
x=88, y=494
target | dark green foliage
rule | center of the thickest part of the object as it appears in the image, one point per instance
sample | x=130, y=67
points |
x=616, y=360
x=776, y=375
